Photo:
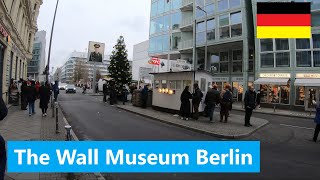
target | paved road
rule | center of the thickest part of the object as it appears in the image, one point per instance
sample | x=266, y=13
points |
x=286, y=152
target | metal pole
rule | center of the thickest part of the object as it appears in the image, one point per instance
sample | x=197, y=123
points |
x=206, y=47
x=49, y=53
x=94, y=77
x=194, y=55
x=57, y=120
x=68, y=130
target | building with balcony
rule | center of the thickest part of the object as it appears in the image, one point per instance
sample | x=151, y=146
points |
x=36, y=66
x=77, y=59
x=214, y=38
x=288, y=70
x=18, y=25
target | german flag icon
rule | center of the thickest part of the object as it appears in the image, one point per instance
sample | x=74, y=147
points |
x=283, y=20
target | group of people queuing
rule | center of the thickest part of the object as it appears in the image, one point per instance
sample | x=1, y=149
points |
x=213, y=98
x=109, y=89
x=30, y=91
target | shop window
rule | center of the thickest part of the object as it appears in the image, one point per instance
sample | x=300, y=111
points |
x=303, y=59
x=282, y=44
x=316, y=58
x=178, y=85
x=156, y=84
x=285, y=95
x=164, y=84
x=316, y=40
x=300, y=96
x=267, y=60
x=302, y=43
x=283, y=59
x=275, y=94
x=266, y=45
x=172, y=84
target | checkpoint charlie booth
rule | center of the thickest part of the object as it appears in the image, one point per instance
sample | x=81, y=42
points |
x=289, y=90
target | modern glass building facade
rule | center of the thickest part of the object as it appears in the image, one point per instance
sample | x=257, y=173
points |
x=288, y=70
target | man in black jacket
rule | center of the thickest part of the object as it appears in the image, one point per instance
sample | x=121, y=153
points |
x=196, y=99
x=250, y=105
x=212, y=99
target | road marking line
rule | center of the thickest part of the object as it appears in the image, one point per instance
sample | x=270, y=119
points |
x=287, y=125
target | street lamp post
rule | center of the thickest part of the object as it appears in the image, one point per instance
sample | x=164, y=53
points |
x=206, y=46
x=49, y=53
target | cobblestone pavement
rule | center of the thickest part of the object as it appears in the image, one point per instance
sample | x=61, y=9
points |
x=19, y=126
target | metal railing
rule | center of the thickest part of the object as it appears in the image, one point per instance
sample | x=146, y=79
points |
x=185, y=44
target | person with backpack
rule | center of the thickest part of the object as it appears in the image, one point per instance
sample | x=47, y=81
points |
x=3, y=155
x=250, y=105
x=196, y=99
x=212, y=99
x=225, y=104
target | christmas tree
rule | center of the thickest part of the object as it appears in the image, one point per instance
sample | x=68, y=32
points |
x=119, y=68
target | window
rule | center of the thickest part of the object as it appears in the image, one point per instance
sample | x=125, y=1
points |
x=224, y=62
x=172, y=84
x=201, y=38
x=164, y=84
x=285, y=94
x=224, y=20
x=234, y=3
x=302, y=43
x=178, y=86
x=315, y=19
x=303, y=59
x=236, y=18
x=209, y=9
x=282, y=44
x=166, y=42
x=176, y=4
x=224, y=56
x=154, y=9
x=200, y=3
x=267, y=60
x=201, y=27
x=237, y=61
x=176, y=39
x=236, y=24
x=167, y=6
x=316, y=40
x=300, y=96
x=266, y=45
x=176, y=20
x=316, y=58
x=166, y=23
x=223, y=5
x=251, y=57
x=160, y=7
x=283, y=59
x=211, y=29
x=203, y=84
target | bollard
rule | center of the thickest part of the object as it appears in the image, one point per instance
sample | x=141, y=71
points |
x=68, y=130
x=57, y=122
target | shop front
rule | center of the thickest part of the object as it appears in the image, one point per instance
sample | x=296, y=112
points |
x=220, y=82
x=307, y=90
x=274, y=88
x=238, y=87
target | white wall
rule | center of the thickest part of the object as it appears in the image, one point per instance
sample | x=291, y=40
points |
x=140, y=58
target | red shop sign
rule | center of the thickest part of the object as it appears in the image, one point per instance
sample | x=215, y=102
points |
x=154, y=61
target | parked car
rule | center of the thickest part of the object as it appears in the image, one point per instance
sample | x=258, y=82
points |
x=71, y=89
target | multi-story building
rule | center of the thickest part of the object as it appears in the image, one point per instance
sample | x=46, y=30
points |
x=288, y=70
x=18, y=25
x=217, y=33
x=76, y=59
x=36, y=66
x=57, y=75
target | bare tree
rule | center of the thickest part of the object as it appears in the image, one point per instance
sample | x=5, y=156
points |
x=80, y=71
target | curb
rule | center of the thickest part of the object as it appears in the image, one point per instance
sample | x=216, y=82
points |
x=196, y=129
x=74, y=136
x=278, y=114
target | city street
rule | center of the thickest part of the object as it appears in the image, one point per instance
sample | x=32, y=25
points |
x=286, y=150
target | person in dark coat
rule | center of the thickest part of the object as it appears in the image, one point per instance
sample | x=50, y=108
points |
x=56, y=90
x=317, y=121
x=211, y=100
x=225, y=103
x=124, y=95
x=250, y=105
x=185, y=108
x=196, y=99
x=113, y=93
x=31, y=96
x=44, y=93
x=144, y=96
x=23, y=95
x=105, y=91
x=258, y=99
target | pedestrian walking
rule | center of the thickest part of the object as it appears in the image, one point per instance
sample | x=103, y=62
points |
x=250, y=105
x=211, y=100
x=144, y=96
x=31, y=94
x=23, y=95
x=317, y=121
x=3, y=155
x=44, y=93
x=185, y=108
x=258, y=99
x=225, y=103
x=105, y=91
x=84, y=89
x=196, y=99
x=56, y=90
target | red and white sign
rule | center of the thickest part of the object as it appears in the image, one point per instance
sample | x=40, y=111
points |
x=154, y=61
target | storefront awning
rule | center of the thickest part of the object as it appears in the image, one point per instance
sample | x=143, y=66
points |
x=307, y=82
x=277, y=81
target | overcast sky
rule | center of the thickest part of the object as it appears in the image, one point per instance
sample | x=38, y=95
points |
x=81, y=21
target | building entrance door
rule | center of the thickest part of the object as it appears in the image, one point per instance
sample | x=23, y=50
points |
x=313, y=95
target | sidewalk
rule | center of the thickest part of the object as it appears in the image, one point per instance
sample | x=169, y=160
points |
x=234, y=129
x=19, y=126
x=280, y=112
